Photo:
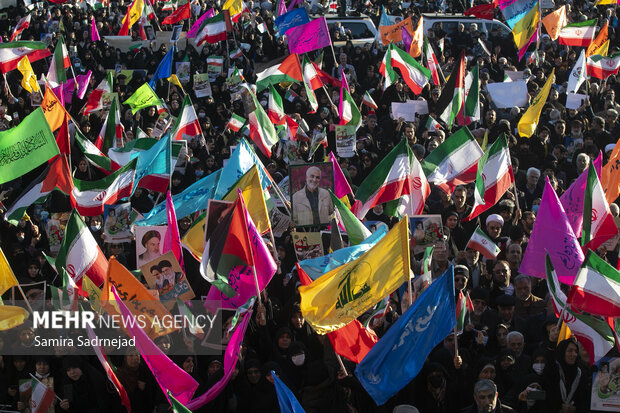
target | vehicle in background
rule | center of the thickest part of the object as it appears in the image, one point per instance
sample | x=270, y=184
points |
x=450, y=22
x=361, y=28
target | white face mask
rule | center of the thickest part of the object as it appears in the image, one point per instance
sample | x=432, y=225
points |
x=298, y=360
x=538, y=368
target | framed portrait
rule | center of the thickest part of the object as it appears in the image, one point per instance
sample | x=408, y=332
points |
x=149, y=241
x=117, y=223
x=176, y=33
x=165, y=276
x=150, y=32
x=311, y=202
x=426, y=231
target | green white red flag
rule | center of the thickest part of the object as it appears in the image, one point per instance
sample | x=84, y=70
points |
x=481, y=242
x=602, y=67
x=41, y=397
x=431, y=62
x=414, y=74
x=598, y=223
x=262, y=130
x=57, y=72
x=275, y=109
x=578, y=34
x=112, y=130
x=236, y=122
x=187, y=123
x=452, y=98
x=347, y=109
x=597, y=287
x=369, y=101
x=463, y=306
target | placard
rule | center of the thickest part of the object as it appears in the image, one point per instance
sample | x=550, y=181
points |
x=345, y=140
x=164, y=274
x=606, y=385
x=307, y=245
x=508, y=94
x=409, y=109
x=183, y=72
x=202, y=86
x=574, y=100
x=310, y=199
x=148, y=243
x=427, y=231
x=117, y=223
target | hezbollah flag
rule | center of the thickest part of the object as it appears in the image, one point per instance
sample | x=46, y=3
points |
x=12, y=316
x=252, y=192
x=343, y=294
x=529, y=121
x=7, y=278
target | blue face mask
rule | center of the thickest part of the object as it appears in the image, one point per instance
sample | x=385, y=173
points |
x=535, y=208
x=485, y=340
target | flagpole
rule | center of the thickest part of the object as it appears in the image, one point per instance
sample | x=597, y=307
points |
x=52, y=390
x=341, y=363
x=539, y=24
x=25, y=299
x=410, y=291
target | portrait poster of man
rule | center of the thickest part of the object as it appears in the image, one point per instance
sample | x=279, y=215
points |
x=164, y=274
x=148, y=243
x=427, y=231
x=310, y=199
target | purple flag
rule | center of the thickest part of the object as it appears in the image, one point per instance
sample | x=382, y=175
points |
x=407, y=39
x=83, y=81
x=308, y=37
x=293, y=3
x=169, y=376
x=572, y=199
x=552, y=234
x=94, y=33
x=172, y=240
x=65, y=92
x=243, y=276
x=230, y=361
x=341, y=185
x=193, y=31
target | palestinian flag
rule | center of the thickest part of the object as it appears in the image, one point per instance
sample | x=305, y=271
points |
x=94, y=102
x=65, y=298
x=309, y=75
x=91, y=196
x=11, y=53
x=463, y=306
x=187, y=123
x=290, y=95
x=262, y=131
x=481, y=242
x=369, y=101
x=287, y=71
x=414, y=74
x=347, y=109
x=493, y=178
x=227, y=247
x=57, y=72
x=213, y=30
x=275, y=110
x=432, y=63
x=431, y=124
x=394, y=178
x=602, y=67
x=56, y=176
x=235, y=123
x=112, y=130
x=22, y=25
x=598, y=223
x=79, y=253
x=41, y=397
x=471, y=111
x=324, y=77
x=94, y=156
x=578, y=34
x=596, y=289
x=450, y=103
x=594, y=334
x=455, y=161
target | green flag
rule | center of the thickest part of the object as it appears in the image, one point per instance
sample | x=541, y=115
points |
x=177, y=406
x=142, y=98
x=356, y=231
x=26, y=146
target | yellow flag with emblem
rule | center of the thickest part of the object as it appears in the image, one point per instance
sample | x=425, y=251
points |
x=12, y=316
x=194, y=238
x=529, y=121
x=7, y=278
x=94, y=293
x=29, y=80
x=343, y=294
x=252, y=192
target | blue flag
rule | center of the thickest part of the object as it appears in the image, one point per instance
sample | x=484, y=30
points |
x=399, y=355
x=164, y=70
x=242, y=160
x=286, y=399
x=293, y=18
x=155, y=160
x=315, y=267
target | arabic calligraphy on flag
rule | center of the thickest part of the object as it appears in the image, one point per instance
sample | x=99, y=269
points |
x=308, y=37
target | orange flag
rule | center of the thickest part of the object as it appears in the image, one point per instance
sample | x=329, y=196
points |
x=554, y=22
x=418, y=39
x=601, y=38
x=610, y=175
x=53, y=110
x=394, y=33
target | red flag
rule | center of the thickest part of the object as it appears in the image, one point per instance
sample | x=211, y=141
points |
x=482, y=11
x=304, y=278
x=353, y=341
x=182, y=13
x=62, y=139
x=326, y=79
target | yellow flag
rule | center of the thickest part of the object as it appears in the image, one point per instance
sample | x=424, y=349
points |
x=12, y=316
x=603, y=50
x=7, y=278
x=343, y=294
x=195, y=236
x=174, y=79
x=525, y=28
x=610, y=175
x=599, y=42
x=252, y=192
x=94, y=293
x=234, y=7
x=564, y=334
x=529, y=121
x=605, y=2
x=134, y=12
x=29, y=80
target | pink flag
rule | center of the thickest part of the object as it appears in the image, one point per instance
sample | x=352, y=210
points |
x=341, y=185
x=244, y=284
x=172, y=240
x=552, y=234
x=308, y=37
x=169, y=376
x=293, y=3
x=83, y=81
x=65, y=92
x=281, y=8
x=230, y=361
x=94, y=33
x=407, y=39
x=196, y=26
x=572, y=199
x=524, y=48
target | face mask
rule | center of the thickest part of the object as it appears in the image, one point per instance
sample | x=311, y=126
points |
x=199, y=173
x=298, y=360
x=378, y=210
x=202, y=115
x=95, y=227
x=538, y=368
x=485, y=340
x=535, y=208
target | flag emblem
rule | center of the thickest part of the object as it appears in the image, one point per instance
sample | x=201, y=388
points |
x=416, y=182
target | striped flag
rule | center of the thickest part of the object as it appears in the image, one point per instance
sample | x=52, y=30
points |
x=213, y=30
x=452, y=97
x=57, y=72
x=578, y=34
x=236, y=122
x=431, y=124
x=94, y=102
x=481, y=242
x=287, y=71
x=22, y=25
x=262, y=131
x=598, y=222
x=11, y=53
x=309, y=75
x=112, y=130
x=41, y=397
x=463, y=306
x=65, y=298
x=597, y=287
x=187, y=124
x=414, y=74
x=369, y=101
x=431, y=62
x=602, y=67
x=236, y=53
x=348, y=111
x=275, y=109
x=471, y=111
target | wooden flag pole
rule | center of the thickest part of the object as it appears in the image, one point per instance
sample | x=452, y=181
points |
x=25, y=299
x=341, y=363
x=55, y=395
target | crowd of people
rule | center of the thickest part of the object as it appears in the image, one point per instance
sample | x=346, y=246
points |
x=509, y=348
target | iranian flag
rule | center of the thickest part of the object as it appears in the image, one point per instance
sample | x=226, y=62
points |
x=596, y=289
x=310, y=75
x=65, y=298
x=11, y=53
x=493, y=178
x=481, y=242
x=275, y=110
x=287, y=71
x=602, y=67
x=369, y=101
x=22, y=25
x=91, y=196
x=471, y=112
x=94, y=102
x=56, y=176
x=41, y=397
x=94, y=156
x=79, y=253
x=217, y=61
x=452, y=97
x=598, y=223
x=57, y=73
x=397, y=177
x=455, y=161
x=431, y=124
x=594, y=334
x=235, y=123
x=463, y=306
x=431, y=62
x=578, y=34
x=112, y=130
x=262, y=131
x=347, y=109
x=212, y=31
x=187, y=123
x=414, y=74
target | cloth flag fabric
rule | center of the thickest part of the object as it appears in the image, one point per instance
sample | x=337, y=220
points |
x=11, y=53
x=597, y=43
x=29, y=79
x=53, y=109
x=236, y=8
x=251, y=189
x=455, y=161
x=398, y=175
x=431, y=124
x=80, y=254
x=112, y=130
x=41, y=397
x=308, y=37
x=164, y=69
x=369, y=101
x=187, y=123
x=94, y=102
x=525, y=31
x=154, y=165
x=7, y=278
x=309, y=75
x=341, y=185
x=452, y=97
x=347, y=109
x=290, y=19
x=554, y=22
x=275, y=110
x=597, y=287
x=286, y=399
x=182, y=13
x=515, y=10
x=172, y=239
x=142, y=98
x=12, y=316
x=414, y=74
x=578, y=34
x=602, y=67
x=463, y=307
x=493, y=177
x=287, y=71
x=529, y=121
x=407, y=39
x=56, y=176
x=610, y=176
x=177, y=406
x=236, y=122
x=431, y=62
x=65, y=298
x=134, y=11
x=552, y=234
x=483, y=244
x=593, y=333
x=193, y=31
x=353, y=341
x=417, y=39
x=57, y=73
x=94, y=33
x=482, y=11
x=578, y=74
x=341, y=295
x=213, y=30
x=21, y=25
x=471, y=111
x=598, y=222
x=400, y=354
x=356, y=231
x=262, y=130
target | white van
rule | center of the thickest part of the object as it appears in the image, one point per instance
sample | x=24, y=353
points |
x=449, y=23
x=362, y=28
